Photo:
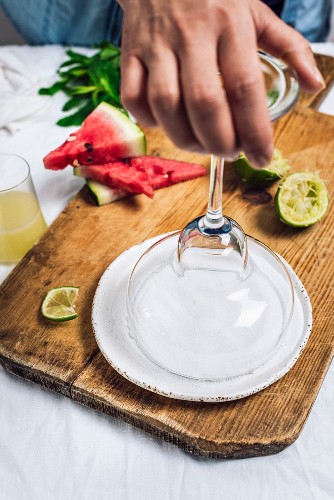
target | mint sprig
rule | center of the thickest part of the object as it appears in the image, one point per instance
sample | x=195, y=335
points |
x=87, y=81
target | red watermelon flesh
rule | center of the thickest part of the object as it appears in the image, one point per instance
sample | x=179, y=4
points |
x=157, y=175
x=163, y=172
x=119, y=175
x=141, y=174
x=106, y=135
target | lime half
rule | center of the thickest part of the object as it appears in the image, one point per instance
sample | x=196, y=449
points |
x=59, y=303
x=301, y=199
x=276, y=169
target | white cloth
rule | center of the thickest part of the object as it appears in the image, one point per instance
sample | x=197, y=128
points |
x=20, y=103
x=54, y=449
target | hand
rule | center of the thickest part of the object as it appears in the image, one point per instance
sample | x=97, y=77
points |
x=172, y=52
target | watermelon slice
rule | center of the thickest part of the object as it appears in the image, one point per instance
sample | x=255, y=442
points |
x=101, y=193
x=138, y=175
x=119, y=175
x=106, y=135
x=163, y=172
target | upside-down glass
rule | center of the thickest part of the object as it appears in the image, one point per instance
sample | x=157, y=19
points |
x=208, y=302
x=21, y=220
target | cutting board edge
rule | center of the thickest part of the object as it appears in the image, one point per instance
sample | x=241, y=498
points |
x=36, y=376
x=196, y=446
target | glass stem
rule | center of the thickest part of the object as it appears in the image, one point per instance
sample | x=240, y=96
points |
x=214, y=218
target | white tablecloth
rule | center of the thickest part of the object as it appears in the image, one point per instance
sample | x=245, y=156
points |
x=53, y=448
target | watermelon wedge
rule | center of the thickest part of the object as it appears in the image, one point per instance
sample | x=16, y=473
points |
x=138, y=175
x=101, y=193
x=163, y=172
x=118, y=175
x=106, y=135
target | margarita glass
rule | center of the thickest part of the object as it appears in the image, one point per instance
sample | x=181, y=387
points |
x=209, y=302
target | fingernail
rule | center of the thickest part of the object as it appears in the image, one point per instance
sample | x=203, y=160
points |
x=319, y=78
x=258, y=160
x=232, y=157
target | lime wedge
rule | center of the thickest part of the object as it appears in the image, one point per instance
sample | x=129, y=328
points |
x=302, y=199
x=276, y=169
x=59, y=303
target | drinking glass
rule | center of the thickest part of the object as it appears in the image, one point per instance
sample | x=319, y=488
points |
x=21, y=220
x=209, y=302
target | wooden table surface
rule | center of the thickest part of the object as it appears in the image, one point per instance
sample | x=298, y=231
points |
x=84, y=239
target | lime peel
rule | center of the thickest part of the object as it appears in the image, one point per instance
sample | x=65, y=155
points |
x=276, y=169
x=301, y=199
x=59, y=304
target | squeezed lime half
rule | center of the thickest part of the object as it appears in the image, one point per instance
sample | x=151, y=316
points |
x=276, y=169
x=59, y=303
x=301, y=199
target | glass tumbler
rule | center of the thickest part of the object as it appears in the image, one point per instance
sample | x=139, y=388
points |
x=21, y=219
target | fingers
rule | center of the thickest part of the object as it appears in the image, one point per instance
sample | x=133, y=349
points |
x=245, y=90
x=205, y=100
x=171, y=79
x=193, y=112
x=165, y=100
x=170, y=72
x=134, y=90
x=284, y=42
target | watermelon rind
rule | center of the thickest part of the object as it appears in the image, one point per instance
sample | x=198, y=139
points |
x=104, y=194
x=138, y=147
x=78, y=172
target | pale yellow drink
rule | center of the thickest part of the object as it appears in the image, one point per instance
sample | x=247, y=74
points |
x=21, y=224
x=21, y=220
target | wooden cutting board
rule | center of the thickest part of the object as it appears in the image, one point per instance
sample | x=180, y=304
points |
x=81, y=243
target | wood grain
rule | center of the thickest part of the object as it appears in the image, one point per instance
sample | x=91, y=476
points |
x=65, y=357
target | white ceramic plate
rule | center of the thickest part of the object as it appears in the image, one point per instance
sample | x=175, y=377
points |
x=109, y=318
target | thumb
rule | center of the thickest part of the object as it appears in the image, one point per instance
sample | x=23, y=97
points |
x=282, y=41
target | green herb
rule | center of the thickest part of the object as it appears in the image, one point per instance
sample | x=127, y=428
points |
x=272, y=96
x=87, y=81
